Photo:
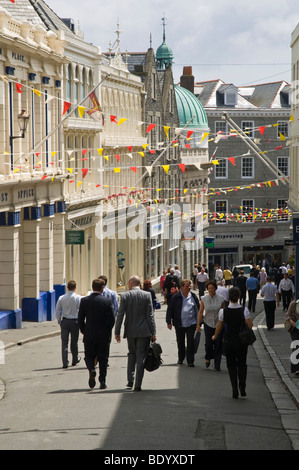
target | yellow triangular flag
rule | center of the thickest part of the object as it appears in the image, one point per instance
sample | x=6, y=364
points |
x=106, y=158
x=215, y=162
x=282, y=137
x=141, y=153
x=70, y=170
x=185, y=190
x=53, y=153
x=37, y=92
x=121, y=121
x=116, y=170
x=80, y=182
x=204, y=136
x=81, y=111
x=100, y=151
x=292, y=117
x=16, y=170
x=166, y=168
x=144, y=146
x=166, y=130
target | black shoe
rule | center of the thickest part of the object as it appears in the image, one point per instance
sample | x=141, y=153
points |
x=208, y=362
x=65, y=367
x=129, y=384
x=137, y=389
x=180, y=362
x=92, y=379
x=235, y=394
x=242, y=392
x=191, y=364
x=77, y=361
x=103, y=385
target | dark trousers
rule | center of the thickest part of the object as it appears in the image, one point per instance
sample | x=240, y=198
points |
x=286, y=298
x=97, y=349
x=213, y=348
x=236, y=356
x=69, y=327
x=201, y=288
x=252, y=299
x=270, y=306
x=138, y=348
x=242, y=297
x=182, y=334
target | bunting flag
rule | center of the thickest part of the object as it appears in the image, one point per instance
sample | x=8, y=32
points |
x=166, y=130
x=165, y=168
x=182, y=166
x=81, y=111
x=37, y=92
x=100, y=151
x=70, y=170
x=189, y=133
x=282, y=137
x=19, y=87
x=149, y=170
x=262, y=129
x=232, y=160
x=66, y=106
x=116, y=170
x=130, y=148
x=94, y=109
x=150, y=127
x=84, y=172
x=113, y=118
x=84, y=152
x=133, y=168
x=121, y=121
x=117, y=157
x=205, y=134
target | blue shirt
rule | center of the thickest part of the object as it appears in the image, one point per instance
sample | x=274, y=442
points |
x=252, y=283
x=110, y=294
x=189, y=311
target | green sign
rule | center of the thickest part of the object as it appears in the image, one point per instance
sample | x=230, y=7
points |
x=209, y=242
x=74, y=237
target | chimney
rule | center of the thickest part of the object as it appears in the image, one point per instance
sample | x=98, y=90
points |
x=187, y=79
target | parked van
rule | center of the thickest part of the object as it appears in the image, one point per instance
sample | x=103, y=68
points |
x=245, y=267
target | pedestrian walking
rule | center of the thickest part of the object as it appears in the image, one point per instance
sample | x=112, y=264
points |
x=210, y=305
x=262, y=277
x=139, y=328
x=110, y=294
x=218, y=274
x=202, y=278
x=293, y=316
x=171, y=281
x=227, y=274
x=66, y=314
x=252, y=285
x=286, y=290
x=96, y=320
x=147, y=286
x=182, y=314
x=232, y=318
x=241, y=284
x=271, y=296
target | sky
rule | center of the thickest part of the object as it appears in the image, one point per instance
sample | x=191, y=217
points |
x=237, y=41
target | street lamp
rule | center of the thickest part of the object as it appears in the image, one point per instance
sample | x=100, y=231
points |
x=23, y=119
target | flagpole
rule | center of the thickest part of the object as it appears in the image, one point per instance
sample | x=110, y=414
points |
x=37, y=146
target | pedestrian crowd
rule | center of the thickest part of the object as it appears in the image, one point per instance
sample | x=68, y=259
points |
x=219, y=309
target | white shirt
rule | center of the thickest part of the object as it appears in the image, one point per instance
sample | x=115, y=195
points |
x=67, y=306
x=223, y=291
x=202, y=277
x=212, y=307
x=219, y=274
x=286, y=284
x=269, y=292
x=233, y=305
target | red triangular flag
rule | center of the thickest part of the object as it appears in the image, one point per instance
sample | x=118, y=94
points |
x=278, y=148
x=84, y=171
x=232, y=160
x=130, y=147
x=152, y=151
x=150, y=127
x=182, y=166
x=134, y=168
x=66, y=106
x=262, y=129
x=44, y=177
x=84, y=152
x=113, y=118
x=19, y=87
x=12, y=1
x=117, y=157
x=189, y=133
x=188, y=146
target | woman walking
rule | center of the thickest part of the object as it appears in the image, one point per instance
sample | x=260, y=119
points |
x=210, y=304
x=236, y=353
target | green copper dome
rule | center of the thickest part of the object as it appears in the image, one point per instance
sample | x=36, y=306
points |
x=164, y=56
x=188, y=106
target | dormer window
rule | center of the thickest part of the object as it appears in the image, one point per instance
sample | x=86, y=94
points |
x=230, y=98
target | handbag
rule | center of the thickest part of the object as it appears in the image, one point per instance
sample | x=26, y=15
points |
x=196, y=341
x=288, y=326
x=246, y=335
x=157, y=305
x=153, y=359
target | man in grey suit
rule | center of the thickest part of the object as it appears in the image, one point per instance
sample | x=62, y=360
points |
x=139, y=328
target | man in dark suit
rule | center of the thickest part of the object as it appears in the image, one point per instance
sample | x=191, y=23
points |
x=96, y=320
x=182, y=313
x=140, y=328
x=241, y=284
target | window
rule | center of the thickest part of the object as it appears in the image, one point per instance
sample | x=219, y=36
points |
x=221, y=169
x=220, y=126
x=283, y=165
x=247, y=170
x=221, y=211
x=282, y=213
x=230, y=98
x=248, y=128
x=248, y=210
x=282, y=128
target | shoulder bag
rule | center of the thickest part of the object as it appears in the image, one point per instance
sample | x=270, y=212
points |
x=246, y=334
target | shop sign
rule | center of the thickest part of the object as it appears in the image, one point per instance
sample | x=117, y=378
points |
x=74, y=237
